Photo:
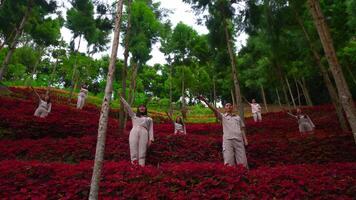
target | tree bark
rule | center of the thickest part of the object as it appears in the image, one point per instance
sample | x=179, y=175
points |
x=74, y=71
x=122, y=114
x=14, y=42
x=306, y=92
x=183, y=110
x=279, y=99
x=41, y=49
x=264, y=97
x=234, y=72
x=329, y=85
x=298, y=92
x=341, y=85
x=104, y=114
x=290, y=92
x=214, y=91
x=52, y=74
x=233, y=99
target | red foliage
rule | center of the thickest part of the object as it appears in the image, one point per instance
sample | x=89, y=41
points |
x=283, y=163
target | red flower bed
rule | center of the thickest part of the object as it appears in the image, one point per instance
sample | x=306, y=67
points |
x=283, y=164
x=19, y=180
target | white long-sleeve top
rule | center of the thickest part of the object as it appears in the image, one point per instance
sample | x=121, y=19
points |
x=143, y=121
x=179, y=128
x=255, y=107
x=303, y=118
x=83, y=93
x=45, y=105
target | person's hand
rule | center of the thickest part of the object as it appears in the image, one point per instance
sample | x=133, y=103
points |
x=246, y=143
x=150, y=142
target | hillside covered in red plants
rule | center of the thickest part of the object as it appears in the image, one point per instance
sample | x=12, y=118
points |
x=52, y=158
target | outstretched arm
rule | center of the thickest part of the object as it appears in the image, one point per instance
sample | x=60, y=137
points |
x=169, y=116
x=216, y=112
x=290, y=114
x=38, y=96
x=127, y=107
x=246, y=100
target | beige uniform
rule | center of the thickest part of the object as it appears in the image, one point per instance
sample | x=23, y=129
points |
x=43, y=109
x=233, y=144
x=140, y=134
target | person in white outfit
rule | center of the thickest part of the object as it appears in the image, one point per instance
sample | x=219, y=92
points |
x=44, y=105
x=305, y=124
x=82, y=95
x=141, y=134
x=179, y=125
x=256, y=111
x=234, y=138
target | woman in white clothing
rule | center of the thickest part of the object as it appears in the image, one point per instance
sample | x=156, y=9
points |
x=179, y=125
x=141, y=134
x=82, y=95
x=256, y=111
x=305, y=124
x=44, y=105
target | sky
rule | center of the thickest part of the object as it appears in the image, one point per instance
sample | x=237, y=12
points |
x=180, y=12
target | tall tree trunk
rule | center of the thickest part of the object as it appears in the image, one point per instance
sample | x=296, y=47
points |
x=122, y=115
x=264, y=97
x=52, y=74
x=72, y=84
x=341, y=85
x=290, y=92
x=183, y=110
x=233, y=99
x=351, y=74
x=329, y=85
x=279, y=99
x=170, y=89
x=298, y=92
x=306, y=92
x=41, y=51
x=104, y=114
x=133, y=82
x=14, y=42
x=214, y=91
x=281, y=75
x=234, y=72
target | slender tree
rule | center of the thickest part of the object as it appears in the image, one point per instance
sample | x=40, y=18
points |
x=104, y=114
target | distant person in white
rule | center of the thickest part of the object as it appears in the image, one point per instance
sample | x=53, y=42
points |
x=44, y=105
x=179, y=125
x=234, y=138
x=82, y=95
x=256, y=111
x=141, y=134
x=305, y=124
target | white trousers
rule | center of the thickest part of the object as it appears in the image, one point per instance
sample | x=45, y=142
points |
x=138, y=140
x=41, y=112
x=234, y=152
x=80, y=102
x=257, y=116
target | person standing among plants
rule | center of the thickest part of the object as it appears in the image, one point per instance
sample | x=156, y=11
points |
x=44, y=105
x=179, y=125
x=255, y=110
x=141, y=134
x=234, y=137
x=305, y=123
x=82, y=95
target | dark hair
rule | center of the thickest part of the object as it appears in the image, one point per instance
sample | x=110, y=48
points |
x=49, y=98
x=138, y=113
x=180, y=120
